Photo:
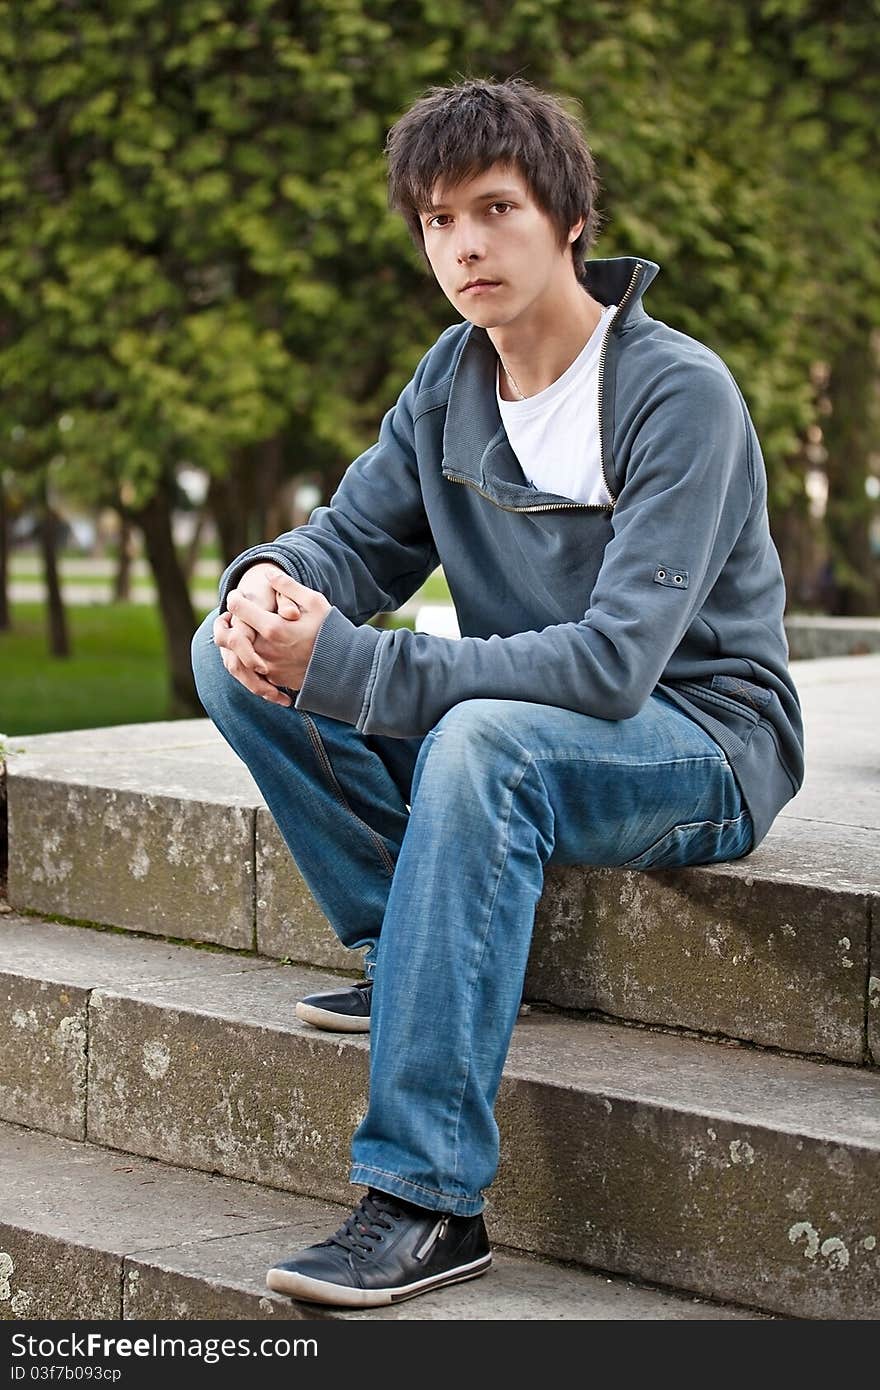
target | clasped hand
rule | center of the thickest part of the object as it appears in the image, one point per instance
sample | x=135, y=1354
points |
x=267, y=636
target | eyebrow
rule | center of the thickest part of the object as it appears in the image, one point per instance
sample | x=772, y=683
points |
x=508, y=193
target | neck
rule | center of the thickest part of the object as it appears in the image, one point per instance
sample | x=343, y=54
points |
x=537, y=352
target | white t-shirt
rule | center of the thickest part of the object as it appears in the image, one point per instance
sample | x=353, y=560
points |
x=555, y=434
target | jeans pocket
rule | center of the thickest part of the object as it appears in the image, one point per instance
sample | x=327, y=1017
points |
x=700, y=842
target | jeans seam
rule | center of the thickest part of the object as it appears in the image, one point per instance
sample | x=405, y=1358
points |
x=512, y=790
x=420, y=1187
x=326, y=766
x=687, y=825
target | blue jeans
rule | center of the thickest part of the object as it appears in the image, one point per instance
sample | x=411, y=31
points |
x=430, y=854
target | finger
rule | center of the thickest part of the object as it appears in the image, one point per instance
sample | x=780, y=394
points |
x=239, y=639
x=251, y=613
x=253, y=682
x=288, y=608
x=291, y=588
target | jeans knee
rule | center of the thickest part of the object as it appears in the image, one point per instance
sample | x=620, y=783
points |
x=472, y=743
x=478, y=724
x=213, y=682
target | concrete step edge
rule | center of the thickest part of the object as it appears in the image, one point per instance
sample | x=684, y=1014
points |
x=775, y=949
x=762, y=1170
x=100, y=969
x=88, y=1232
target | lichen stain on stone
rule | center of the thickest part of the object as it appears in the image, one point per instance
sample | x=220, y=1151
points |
x=140, y=863
x=21, y=1302
x=267, y=1306
x=741, y=1152
x=874, y=991
x=840, y=1162
x=869, y=1242
x=835, y=1252
x=70, y=1034
x=788, y=930
x=831, y=1249
x=156, y=1059
x=6, y=1268
x=799, y=1196
x=718, y=940
x=696, y=1157
x=28, y=1021
x=803, y=1228
x=54, y=867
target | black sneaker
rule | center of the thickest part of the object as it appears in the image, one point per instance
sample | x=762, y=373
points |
x=386, y=1251
x=341, y=1011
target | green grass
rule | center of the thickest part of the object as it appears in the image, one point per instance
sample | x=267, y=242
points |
x=434, y=590
x=116, y=675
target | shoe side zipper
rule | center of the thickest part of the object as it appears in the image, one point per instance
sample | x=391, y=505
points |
x=437, y=1232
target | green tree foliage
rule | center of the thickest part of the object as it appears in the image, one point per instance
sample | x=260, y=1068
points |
x=197, y=262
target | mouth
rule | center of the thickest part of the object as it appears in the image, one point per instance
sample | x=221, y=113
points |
x=480, y=286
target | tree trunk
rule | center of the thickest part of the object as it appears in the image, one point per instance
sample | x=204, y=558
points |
x=59, y=639
x=5, y=613
x=848, y=432
x=191, y=558
x=175, y=604
x=795, y=536
x=243, y=502
x=122, y=579
x=270, y=464
x=230, y=503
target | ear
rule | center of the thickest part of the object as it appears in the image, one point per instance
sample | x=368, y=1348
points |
x=575, y=231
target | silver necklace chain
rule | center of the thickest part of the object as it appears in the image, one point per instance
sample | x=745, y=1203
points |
x=511, y=378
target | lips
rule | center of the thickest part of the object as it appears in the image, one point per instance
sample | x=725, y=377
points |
x=476, y=285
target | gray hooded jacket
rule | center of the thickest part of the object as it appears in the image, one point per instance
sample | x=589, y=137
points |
x=676, y=586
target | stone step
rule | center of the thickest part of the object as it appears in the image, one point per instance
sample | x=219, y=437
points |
x=724, y=1170
x=809, y=636
x=86, y=1232
x=159, y=828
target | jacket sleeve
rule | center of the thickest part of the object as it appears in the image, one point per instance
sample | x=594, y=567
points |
x=371, y=548
x=688, y=492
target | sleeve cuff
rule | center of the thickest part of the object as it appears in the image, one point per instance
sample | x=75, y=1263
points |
x=263, y=554
x=339, y=676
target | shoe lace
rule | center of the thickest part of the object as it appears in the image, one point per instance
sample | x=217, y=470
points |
x=373, y=1214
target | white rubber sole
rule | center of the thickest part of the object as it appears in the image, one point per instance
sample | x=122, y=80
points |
x=332, y=1023
x=319, y=1291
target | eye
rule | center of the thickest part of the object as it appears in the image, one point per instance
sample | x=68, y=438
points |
x=433, y=221
x=504, y=206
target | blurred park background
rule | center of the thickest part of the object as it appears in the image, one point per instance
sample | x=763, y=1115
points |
x=206, y=307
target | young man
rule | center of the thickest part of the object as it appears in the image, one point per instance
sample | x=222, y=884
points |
x=591, y=482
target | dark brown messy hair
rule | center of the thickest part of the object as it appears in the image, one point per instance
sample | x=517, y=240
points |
x=454, y=133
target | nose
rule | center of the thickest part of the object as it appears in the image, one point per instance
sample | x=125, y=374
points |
x=469, y=247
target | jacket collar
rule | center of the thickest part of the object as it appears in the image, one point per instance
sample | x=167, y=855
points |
x=619, y=278
x=475, y=444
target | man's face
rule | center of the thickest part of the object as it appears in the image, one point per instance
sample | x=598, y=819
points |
x=490, y=230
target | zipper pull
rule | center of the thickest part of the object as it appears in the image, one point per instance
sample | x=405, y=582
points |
x=437, y=1232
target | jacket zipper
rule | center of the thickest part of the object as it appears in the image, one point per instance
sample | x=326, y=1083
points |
x=545, y=507
x=568, y=506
